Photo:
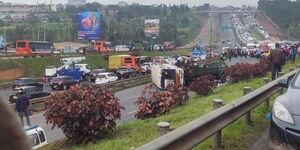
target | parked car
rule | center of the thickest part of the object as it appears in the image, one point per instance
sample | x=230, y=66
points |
x=158, y=47
x=26, y=82
x=95, y=72
x=171, y=61
x=30, y=92
x=285, y=123
x=62, y=82
x=217, y=69
x=121, y=48
x=103, y=78
x=126, y=72
x=36, y=137
x=146, y=67
x=87, y=50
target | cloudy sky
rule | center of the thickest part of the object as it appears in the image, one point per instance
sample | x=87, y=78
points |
x=150, y=2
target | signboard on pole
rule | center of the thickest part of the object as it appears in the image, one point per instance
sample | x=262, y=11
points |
x=88, y=25
x=151, y=27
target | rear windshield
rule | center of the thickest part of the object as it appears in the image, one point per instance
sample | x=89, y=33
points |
x=58, y=79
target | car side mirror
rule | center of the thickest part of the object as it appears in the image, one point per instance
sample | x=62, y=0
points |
x=283, y=83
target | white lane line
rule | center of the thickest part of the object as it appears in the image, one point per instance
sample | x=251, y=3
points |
x=132, y=112
x=37, y=115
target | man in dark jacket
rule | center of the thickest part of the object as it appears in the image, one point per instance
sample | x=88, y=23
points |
x=22, y=104
x=277, y=60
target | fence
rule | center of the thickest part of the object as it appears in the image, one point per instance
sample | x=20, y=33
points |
x=195, y=132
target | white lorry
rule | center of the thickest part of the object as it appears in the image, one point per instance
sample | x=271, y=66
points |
x=164, y=74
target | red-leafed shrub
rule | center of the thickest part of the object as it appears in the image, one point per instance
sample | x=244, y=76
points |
x=153, y=103
x=260, y=69
x=239, y=72
x=85, y=113
x=244, y=71
x=179, y=93
x=203, y=85
x=266, y=60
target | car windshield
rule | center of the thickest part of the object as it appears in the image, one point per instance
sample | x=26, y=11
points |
x=57, y=79
x=101, y=76
x=297, y=81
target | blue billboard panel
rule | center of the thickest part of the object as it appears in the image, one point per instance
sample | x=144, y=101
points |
x=88, y=25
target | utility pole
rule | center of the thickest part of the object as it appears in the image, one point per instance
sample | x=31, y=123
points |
x=44, y=32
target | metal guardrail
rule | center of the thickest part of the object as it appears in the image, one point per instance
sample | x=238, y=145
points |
x=119, y=83
x=195, y=132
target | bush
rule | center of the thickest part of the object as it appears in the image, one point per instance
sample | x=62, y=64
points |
x=179, y=93
x=243, y=71
x=239, y=72
x=203, y=85
x=153, y=103
x=260, y=69
x=85, y=113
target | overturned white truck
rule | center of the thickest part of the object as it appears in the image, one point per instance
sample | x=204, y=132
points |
x=164, y=74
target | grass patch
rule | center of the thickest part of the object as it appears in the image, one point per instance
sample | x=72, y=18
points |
x=139, y=132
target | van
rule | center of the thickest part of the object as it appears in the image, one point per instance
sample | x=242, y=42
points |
x=164, y=74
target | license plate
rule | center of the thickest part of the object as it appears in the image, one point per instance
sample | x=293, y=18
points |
x=55, y=86
x=15, y=97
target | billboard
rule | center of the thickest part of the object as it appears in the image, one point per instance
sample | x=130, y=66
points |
x=151, y=27
x=88, y=25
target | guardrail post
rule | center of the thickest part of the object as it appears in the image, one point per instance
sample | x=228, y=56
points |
x=162, y=128
x=217, y=143
x=280, y=74
x=248, y=114
x=267, y=101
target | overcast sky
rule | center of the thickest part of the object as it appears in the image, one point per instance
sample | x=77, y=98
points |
x=150, y=2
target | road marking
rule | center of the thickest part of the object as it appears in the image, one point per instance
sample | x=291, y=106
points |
x=132, y=112
x=37, y=115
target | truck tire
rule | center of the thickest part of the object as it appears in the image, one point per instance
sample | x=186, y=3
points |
x=223, y=78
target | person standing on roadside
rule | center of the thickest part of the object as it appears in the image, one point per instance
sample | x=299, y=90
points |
x=277, y=59
x=22, y=104
x=293, y=53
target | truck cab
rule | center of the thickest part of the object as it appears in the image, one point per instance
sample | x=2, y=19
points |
x=36, y=136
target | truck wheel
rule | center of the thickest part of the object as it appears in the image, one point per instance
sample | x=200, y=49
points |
x=223, y=78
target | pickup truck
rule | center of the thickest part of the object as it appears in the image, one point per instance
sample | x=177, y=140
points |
x=217, y=69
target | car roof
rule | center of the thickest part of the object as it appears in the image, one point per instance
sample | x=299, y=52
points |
x=105, y=73
x=26, y=87
x=61, y=77
x=23, y=78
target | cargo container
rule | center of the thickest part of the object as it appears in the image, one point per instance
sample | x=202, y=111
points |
x=164, y=74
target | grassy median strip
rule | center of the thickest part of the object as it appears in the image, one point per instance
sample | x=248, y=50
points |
x=139, y=132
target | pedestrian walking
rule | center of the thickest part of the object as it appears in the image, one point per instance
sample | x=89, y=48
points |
x=22, y=104
x=277, y=59
x=293, y=53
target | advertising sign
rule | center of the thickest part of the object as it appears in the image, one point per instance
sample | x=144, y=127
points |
x=151, y=27
x=88, y=25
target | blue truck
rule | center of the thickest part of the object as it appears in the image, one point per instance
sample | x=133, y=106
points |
x=2, y=43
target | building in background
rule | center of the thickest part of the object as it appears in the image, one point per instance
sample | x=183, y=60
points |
x=76, y=2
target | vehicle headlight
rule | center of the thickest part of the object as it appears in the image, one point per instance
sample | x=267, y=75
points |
x=281, y=113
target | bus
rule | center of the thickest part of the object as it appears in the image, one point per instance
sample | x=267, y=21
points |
x=33, y=48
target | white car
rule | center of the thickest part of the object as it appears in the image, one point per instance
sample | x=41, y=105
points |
x=171, y=61
x=106, y=77
x=121, y=48
x=146, y=67
x=36, y=137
